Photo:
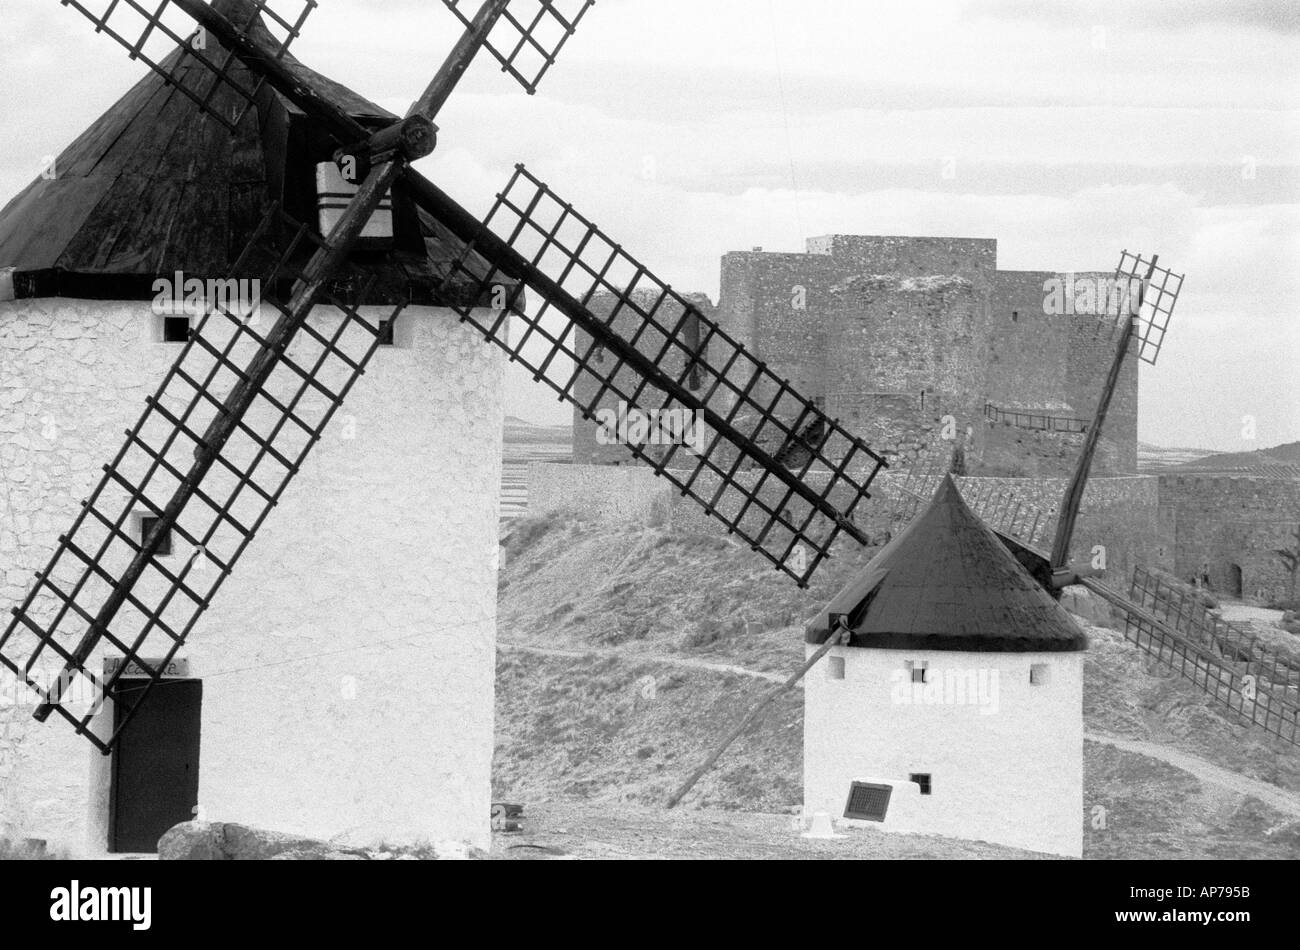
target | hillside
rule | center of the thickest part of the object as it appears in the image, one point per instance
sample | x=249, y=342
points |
x=1280, y=460
x=627, y=651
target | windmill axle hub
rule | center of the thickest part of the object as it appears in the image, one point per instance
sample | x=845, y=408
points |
x=411, y=138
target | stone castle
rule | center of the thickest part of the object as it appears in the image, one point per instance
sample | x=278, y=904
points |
x=919, y=343
x=912, y=342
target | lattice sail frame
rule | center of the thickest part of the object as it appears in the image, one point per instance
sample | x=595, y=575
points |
x=311, y=377
x=534, y=32
x=754, y=422
x=1160, y=289
x=166, y=40
x=1236, y=670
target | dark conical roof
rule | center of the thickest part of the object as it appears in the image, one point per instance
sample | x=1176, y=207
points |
x=154, y=186
x=948, y=583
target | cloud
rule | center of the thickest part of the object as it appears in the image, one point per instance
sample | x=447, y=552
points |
x=1278, y=16
x=690, y=129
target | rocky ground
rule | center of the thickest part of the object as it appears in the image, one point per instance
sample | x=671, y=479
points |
x=581, y=829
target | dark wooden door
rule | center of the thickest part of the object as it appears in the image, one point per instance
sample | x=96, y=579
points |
x=155, y=782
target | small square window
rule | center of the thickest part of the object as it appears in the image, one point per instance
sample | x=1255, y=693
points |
x=918, y=670
x=176, y=329
x=1040, y=674
x=922, y=779
x=385, y=332
x=835, y=668
x=147, y=523
x=1015, y=315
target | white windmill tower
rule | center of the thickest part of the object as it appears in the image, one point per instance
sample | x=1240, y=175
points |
x=953, y=703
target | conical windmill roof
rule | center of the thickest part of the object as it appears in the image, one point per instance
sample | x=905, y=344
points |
x=153, y=186
x=947, y=583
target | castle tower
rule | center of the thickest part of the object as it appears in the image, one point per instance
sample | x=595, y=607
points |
x=341, y=682
x=959, y=691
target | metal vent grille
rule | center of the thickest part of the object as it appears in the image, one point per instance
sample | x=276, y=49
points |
x=868, y=801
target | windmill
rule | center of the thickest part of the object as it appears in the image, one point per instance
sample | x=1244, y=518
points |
x=1143, y=308
x=210, y=479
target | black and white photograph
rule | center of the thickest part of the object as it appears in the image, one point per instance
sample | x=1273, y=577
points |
x=650, y=430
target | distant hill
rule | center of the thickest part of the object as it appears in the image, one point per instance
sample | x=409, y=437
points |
x=1281, y=461
x=521, y=431
x=1157, y=458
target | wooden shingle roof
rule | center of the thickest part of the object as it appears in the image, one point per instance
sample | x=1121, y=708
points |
x=153, y=187
x=948, y=583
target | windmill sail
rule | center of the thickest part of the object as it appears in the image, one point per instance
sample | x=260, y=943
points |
x=1257, y=685
x=237, y=414
x=213, y=451
x=1152, y=308
x=168, y=39
x=759, y=456
x=529, y=35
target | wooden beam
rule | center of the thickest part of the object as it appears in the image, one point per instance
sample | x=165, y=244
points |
x=840, y=636
x=1074, y=491
x=435, y=95
x=515, y=266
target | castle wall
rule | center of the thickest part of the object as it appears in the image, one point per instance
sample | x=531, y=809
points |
x=1229, y=522
x=1121, y=517
x=1118, y=514
x=1055, y=363
x=907, y=336
x=590, y=445
x=974, y=259
x=629, y=493
x=905, y=340
x=1028, y=360
x=1018, y=451
x=778, y=305
x=1091, y=355
x=348, y=662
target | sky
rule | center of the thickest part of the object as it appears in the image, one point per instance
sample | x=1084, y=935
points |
x=689, y=128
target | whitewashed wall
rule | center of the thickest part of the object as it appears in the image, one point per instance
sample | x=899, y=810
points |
x=348, y=664
x=1012, y=775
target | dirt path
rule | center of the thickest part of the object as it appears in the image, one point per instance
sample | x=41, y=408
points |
x=582, y=830
x=1279, y=798
x=682, y=661
x=1241, y=613
x=1272, y=795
